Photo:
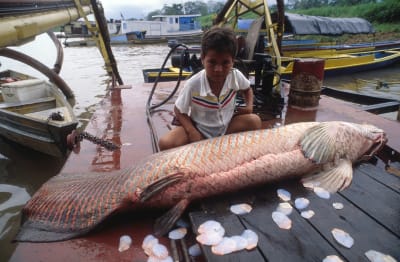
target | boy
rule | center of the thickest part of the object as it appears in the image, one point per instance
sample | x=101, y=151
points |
x=205, y=106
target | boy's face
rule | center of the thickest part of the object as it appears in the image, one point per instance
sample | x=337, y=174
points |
x=217, y=65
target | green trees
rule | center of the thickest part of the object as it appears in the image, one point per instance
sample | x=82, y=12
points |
x=386, y=11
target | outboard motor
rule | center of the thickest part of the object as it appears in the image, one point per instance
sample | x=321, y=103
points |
x=187, y=61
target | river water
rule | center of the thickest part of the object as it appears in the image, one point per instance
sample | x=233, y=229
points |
x=23, y=171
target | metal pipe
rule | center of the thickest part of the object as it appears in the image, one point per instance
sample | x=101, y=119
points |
x=17, y=30
x=60, y=52
x=102, y=24
x=53, y=77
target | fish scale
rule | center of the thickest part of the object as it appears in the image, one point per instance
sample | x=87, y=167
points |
x=69, y=205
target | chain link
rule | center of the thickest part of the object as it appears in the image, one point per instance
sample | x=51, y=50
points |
x=98, y=141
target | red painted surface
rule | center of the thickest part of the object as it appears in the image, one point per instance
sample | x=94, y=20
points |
x=121, y=118
x=310, y=66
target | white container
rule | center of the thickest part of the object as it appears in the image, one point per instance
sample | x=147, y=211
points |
x=24, y=90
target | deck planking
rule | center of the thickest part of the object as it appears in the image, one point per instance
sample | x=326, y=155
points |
x=370, y=215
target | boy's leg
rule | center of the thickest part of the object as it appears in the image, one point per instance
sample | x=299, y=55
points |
x=245, y=122
x=174, y=138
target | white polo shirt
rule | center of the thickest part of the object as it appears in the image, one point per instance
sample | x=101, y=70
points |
x=211, y=114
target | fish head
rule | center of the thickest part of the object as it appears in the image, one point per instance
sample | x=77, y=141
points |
x=330, y=141
x=374, y=140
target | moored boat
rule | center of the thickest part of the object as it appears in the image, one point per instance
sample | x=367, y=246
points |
x=334, y=64
x=35, y=113
x=163, y=28
x=349, y=63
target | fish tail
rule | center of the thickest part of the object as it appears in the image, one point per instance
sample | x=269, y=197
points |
x=69, y=205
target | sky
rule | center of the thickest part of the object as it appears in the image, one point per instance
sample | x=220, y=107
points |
x=134, y=8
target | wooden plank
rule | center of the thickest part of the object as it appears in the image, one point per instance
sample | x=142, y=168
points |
x=376, y=200
x=28, y=102
x=379, y=174
x=382, y=108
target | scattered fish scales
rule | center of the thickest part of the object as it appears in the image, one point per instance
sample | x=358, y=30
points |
x=178, y=233
x=159, y=251
x=332, y=258
x=241, y=242
x=284, y=195
x=285, y=208
x=148, y=242
x=248, y=240
x=342, y=237
x=307, y=214
x=376, y=256
x=322, y=193
x=338, y=205
x=251, y=237
x=241, y=209
x=125, y=243
x=209, y=238
x=195, y=250
x=282, y=220
x=155, y=259
x=226, y=246
x=301, y=202
x=210, y=232
x=211, y=226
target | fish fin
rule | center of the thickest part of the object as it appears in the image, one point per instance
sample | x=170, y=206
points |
x=158, y=185
x=333, y=179
x=319, y=142
x=166, y=222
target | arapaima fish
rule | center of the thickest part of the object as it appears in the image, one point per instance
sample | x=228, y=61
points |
x=70, y=205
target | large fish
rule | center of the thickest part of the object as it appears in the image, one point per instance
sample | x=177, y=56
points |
x=70, y=205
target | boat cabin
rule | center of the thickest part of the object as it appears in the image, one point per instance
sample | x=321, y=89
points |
x=164, y=25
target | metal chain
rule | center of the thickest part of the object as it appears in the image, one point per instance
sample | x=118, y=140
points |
x=98, y=141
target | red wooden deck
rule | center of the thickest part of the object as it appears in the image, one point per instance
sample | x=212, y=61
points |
x=371, y=212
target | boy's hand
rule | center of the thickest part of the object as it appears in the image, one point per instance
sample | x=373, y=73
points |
x=248, y=98
x=194, y=135
x=243, y=110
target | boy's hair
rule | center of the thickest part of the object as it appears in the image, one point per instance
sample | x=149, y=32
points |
x=220, y=39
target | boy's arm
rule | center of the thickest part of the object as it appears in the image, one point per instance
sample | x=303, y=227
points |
x=187, y=124
x=248, y=98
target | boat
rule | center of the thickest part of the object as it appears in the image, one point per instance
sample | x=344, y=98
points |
x=163, y=28
x=167, y=74
x=35, y=113
x=348, y=63
x=335, y=63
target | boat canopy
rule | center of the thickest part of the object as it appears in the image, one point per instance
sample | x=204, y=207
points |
x=318, y=25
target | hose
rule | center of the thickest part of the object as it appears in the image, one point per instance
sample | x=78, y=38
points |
x=149, y=107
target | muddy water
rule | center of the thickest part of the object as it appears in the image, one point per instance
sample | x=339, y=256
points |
x=382, y=83
x=23, y=171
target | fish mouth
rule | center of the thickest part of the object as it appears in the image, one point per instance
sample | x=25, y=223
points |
x=378, y=143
